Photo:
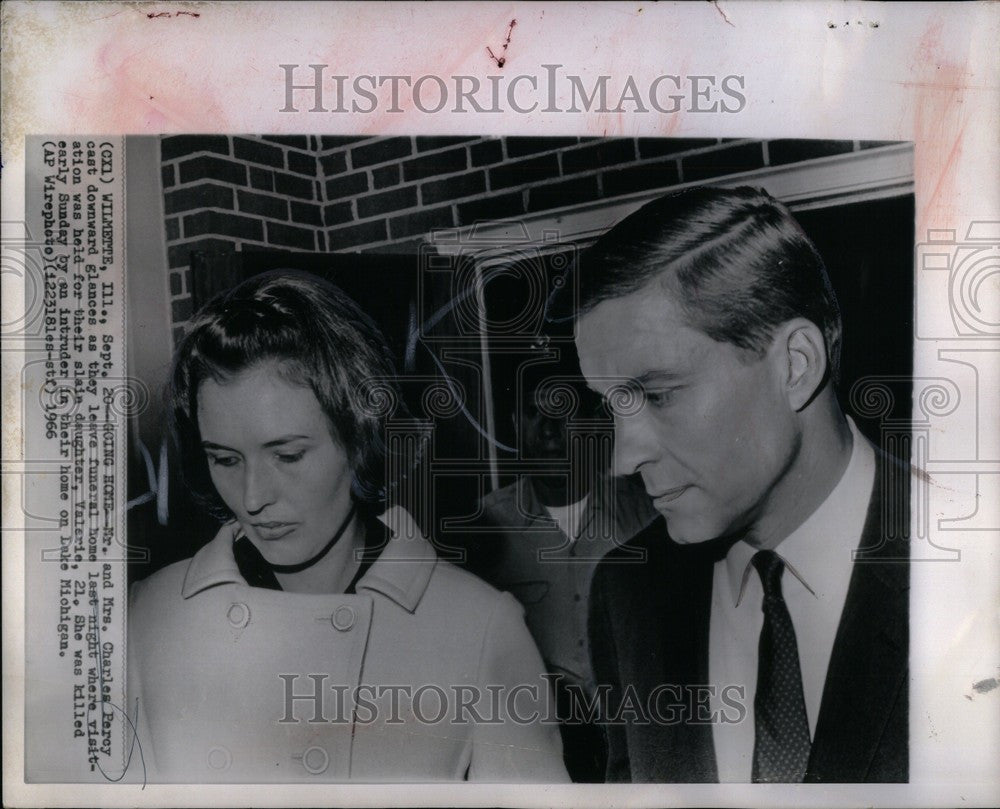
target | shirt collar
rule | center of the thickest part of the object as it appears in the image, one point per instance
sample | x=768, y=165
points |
x=829, y=534
x=401, y=572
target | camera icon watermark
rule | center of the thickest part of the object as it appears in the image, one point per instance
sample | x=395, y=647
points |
x=965, y=273
x=25, y=260
x=493, y=281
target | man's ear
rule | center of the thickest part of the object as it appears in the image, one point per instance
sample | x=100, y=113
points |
x=801, y=350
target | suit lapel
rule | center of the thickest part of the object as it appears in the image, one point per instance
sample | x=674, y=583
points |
x=866, y=678
x=684, y=751
x=694, y=745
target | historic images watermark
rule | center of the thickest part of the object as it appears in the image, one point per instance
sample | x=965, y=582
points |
x=313, y=88
x=315, y=699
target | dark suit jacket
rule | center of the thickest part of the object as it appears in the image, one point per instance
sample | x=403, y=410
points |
x=649, y=626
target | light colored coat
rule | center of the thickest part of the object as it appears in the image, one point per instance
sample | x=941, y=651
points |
x=207, y=653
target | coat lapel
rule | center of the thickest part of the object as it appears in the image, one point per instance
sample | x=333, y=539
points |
x=687, y=642
x=669, y=622
x=863, y=712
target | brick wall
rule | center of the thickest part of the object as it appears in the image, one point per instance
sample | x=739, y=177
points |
x=383, y=194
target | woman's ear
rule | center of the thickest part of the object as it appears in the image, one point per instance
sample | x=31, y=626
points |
x=801, y=350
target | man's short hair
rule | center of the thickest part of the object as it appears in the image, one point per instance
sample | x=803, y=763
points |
x=735, y=260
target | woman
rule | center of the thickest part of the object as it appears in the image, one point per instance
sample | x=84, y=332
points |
x=318, y=636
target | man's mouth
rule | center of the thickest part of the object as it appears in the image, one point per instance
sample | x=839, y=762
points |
x=669, y=496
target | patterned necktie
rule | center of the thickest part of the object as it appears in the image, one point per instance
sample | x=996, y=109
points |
x=781, y=733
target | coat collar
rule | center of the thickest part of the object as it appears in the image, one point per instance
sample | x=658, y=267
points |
x=401, y=572
x=866, y=689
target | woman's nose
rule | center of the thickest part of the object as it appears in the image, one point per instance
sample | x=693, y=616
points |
x=258, y=488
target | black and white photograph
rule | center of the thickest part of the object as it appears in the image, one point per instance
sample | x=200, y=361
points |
x=561, y=462
x=436, y=426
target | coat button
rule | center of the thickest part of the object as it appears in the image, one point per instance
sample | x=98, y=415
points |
x=343, y=618
x=238, y=615
x=219, y=758
x=315, y=760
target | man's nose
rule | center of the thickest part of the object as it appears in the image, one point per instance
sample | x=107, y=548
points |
x=634, y=446
x=258, y=488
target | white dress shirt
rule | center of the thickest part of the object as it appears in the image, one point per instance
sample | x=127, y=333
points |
x=818, y=564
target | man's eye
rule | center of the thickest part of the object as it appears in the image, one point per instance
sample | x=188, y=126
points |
x=623, y=400
x=658, y=398
x=223, y=460
x=291, y=457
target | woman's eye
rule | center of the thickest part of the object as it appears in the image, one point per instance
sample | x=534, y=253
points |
x=291, y=457
x=222, y=460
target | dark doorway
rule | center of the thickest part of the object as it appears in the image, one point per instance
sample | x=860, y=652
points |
x=868, y=250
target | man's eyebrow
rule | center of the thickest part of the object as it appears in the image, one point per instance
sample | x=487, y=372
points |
x=659, y=375
x=644, y=380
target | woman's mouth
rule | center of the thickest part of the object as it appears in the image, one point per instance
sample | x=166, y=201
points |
x=270, y=531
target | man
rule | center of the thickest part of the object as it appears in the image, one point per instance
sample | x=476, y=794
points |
x=708, y=320
x=551, y=527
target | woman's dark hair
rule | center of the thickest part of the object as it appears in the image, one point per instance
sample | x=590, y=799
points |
x=320, y=339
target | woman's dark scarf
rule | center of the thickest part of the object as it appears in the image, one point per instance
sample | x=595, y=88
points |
x=258, y=572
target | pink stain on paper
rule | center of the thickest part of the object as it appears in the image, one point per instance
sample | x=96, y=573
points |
x=132, y=88
x=940, y=119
